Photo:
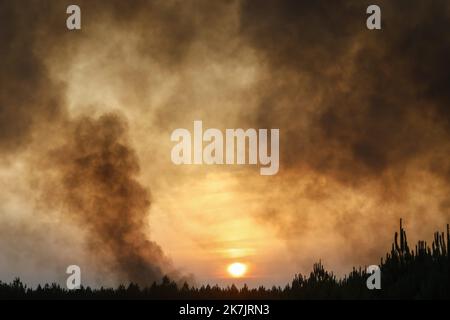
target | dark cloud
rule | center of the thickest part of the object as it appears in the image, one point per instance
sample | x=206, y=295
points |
x=27, y=94
x=355, y=108
x=365, y=110
x=97, y=170
x=91, y=179
x=377, y=94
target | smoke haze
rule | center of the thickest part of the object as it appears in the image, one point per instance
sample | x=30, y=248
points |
x=86, y=117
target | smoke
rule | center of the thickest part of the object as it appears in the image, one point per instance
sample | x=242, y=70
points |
x=99, y=191
x=87, y=169
x=370, y=97
x=28, y=96
x=363, y=116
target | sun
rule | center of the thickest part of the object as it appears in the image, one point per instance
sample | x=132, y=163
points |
x=237, y=269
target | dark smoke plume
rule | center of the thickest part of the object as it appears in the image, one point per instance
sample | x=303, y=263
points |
x=363, y=115
x=92, y=178
x=363, y=111
x=98, y=173
x=376, y=95
x=28, y=97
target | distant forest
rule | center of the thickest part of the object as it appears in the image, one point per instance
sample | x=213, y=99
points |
x=406, y=273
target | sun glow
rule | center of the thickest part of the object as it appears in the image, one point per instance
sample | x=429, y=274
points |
x=237, y=269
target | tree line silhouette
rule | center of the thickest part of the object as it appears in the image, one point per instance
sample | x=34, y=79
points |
x=419, y=273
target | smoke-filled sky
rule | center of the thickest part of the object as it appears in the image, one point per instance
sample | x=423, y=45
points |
x=86, y=118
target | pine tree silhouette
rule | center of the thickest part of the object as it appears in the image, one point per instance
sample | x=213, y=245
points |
x=422, y=273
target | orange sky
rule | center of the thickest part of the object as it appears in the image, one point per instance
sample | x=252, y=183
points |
x=349, y=170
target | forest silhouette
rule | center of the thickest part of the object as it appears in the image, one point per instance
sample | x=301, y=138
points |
x=406, y=273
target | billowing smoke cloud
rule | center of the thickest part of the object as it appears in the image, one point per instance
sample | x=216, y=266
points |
x=363, y=118
x=99, y=190
x=27, y=95
x=92, y=178
x=364, y=112
x=371, y=97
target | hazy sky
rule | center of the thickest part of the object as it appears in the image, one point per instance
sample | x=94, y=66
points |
x=86, y=117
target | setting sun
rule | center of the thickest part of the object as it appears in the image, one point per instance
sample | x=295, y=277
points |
x=237, y=269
